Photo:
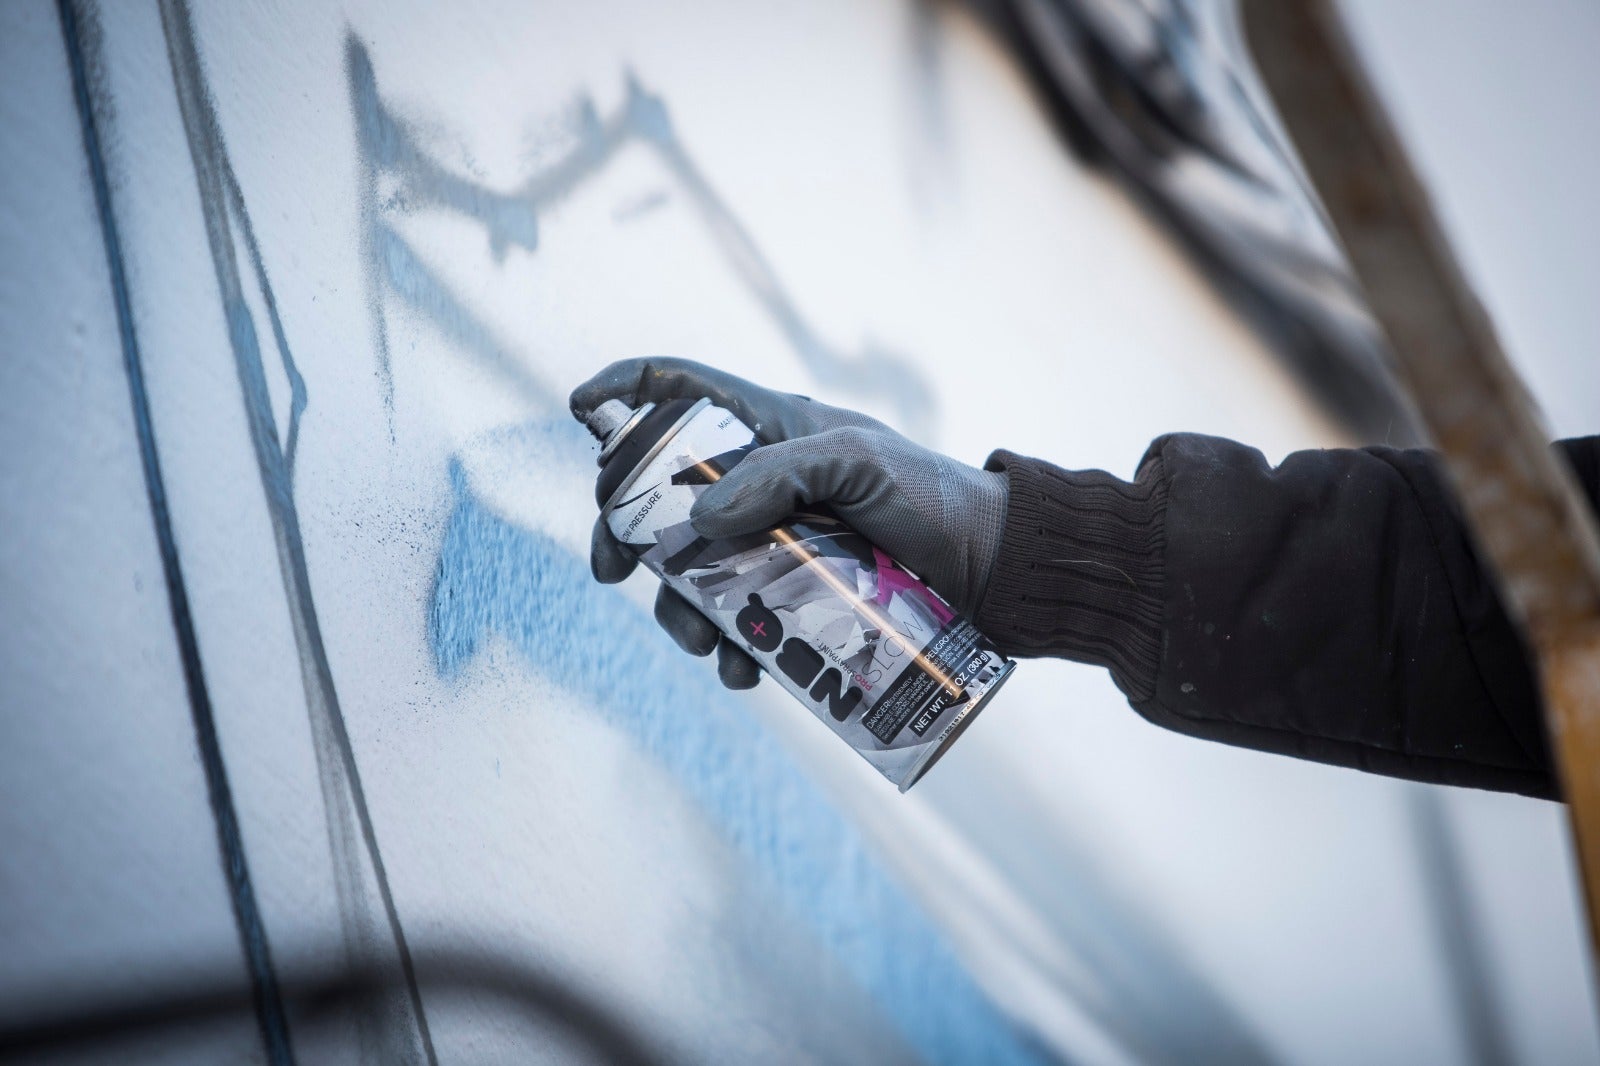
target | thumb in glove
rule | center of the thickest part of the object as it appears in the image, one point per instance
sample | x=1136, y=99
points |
x=938, y=517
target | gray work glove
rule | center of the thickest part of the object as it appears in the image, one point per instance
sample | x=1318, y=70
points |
x=937, y=517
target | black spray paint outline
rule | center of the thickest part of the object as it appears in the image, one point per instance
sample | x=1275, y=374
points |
x=222, y=205
x=388, y=146
x=81, y=35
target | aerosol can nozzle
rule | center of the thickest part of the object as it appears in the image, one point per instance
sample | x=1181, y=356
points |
x=608, y=418
x=612, y=421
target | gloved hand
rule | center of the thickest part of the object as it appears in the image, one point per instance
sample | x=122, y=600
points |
x=939, y=518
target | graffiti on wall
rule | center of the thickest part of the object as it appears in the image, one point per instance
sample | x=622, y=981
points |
x=400, y=177
x=497, y=578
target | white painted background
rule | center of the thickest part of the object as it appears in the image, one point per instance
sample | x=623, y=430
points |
x=1051, y=317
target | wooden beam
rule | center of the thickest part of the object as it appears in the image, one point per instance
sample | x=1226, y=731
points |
x=1527, y=516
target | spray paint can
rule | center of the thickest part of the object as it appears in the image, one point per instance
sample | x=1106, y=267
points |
x=863, y=643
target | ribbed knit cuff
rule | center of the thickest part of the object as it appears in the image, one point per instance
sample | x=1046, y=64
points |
x=1079, y=571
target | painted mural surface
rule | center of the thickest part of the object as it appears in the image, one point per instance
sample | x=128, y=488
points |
x=309, y=670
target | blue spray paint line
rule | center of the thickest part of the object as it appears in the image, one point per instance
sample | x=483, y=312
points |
x=497, y=578
x=291, y=369
x=222, y=209
x=80, y=33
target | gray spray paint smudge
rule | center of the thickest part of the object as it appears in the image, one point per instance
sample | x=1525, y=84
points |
x=389, y=147
x=640, y=206
x=80, y=31
x=397, y=1030
x=1162, y=96
x=1458, y=931
x=930, y=161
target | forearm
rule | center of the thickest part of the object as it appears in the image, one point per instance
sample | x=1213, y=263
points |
x=1330, y=608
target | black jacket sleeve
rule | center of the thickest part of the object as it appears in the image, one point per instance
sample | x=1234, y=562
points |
x=1331, y=608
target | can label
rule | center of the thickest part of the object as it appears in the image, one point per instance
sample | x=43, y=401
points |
x=875, y=653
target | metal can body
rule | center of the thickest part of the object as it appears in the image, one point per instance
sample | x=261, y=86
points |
x=872, y=651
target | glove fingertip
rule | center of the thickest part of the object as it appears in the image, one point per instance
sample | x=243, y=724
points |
x=585, y=398
x=616, y=381
x=609, y=561
x=712, y=523
x=611, y=570
x=735, y=668
x=732, y=508
x=688, y=627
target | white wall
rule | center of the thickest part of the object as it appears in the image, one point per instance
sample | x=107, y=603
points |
x=449, y=243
